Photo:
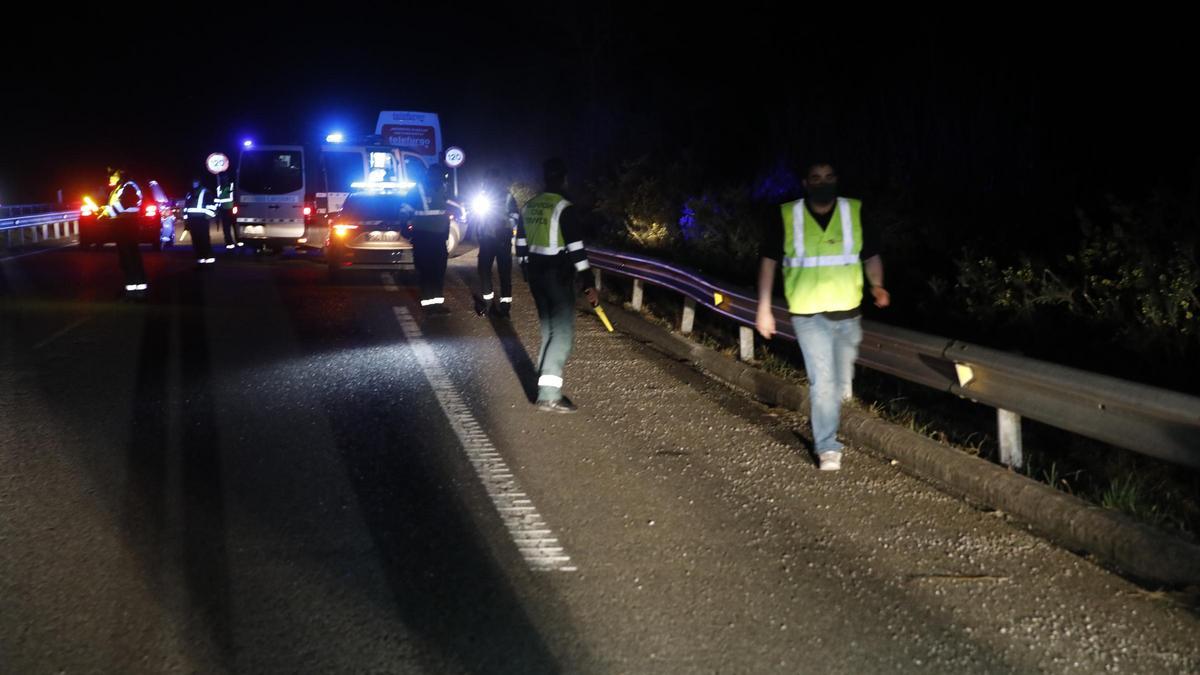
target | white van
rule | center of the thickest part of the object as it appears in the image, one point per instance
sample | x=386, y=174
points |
x=269, y=194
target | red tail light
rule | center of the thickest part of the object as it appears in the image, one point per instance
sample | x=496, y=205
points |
x=85, y=210
x=152, y=210
x=308, y=211
x=235, y=210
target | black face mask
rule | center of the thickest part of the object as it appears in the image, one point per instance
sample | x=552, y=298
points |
x=824, y=193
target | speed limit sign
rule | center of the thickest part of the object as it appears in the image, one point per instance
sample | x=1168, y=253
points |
x=217, y=163
x=455, y=157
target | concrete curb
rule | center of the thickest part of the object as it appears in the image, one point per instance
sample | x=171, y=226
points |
x=1139, y=550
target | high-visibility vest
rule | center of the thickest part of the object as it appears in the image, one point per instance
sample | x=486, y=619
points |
x=822, y=271
x=542, y=231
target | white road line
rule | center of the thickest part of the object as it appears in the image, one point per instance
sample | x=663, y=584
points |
x=530, y=534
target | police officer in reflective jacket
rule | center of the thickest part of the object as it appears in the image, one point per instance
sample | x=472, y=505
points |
x=198, y=211
x=494, y=215
x=124, y=204
x=431, y=229
x=553, y=260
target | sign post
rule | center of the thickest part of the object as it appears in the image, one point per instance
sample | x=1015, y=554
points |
x=454, y=159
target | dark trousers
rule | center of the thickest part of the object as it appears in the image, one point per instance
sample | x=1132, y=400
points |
x=497, y=248
x=225, y=216
x=553, y=285
x=129, y=254
x=430, y=256
x=197, y=226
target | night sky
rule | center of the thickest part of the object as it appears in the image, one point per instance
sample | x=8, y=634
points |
x=980, y=110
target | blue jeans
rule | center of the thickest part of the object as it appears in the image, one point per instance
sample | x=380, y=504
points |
x=829, y=348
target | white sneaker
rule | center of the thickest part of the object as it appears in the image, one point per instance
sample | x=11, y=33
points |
x=830, y=461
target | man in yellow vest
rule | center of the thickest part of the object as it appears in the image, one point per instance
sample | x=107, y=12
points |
x=124, y=205
x=823, y=250
x=553, y=260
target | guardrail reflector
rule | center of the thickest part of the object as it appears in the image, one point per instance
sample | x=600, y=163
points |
x=965, y=374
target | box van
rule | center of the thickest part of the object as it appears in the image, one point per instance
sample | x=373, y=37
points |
x=269, y=192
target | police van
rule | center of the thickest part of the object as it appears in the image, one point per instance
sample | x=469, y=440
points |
x=270, y=190
x=285, y=195
x=347, y=168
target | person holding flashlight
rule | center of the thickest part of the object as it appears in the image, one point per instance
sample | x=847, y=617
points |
x=494, y=216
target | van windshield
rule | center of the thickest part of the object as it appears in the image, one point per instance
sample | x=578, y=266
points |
x=270, y=172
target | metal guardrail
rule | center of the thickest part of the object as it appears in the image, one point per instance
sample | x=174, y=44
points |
x=49, y=225
x=1148, y=420
x=14, y=210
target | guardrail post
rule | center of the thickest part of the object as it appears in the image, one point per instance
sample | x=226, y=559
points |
x=689, y=316
x=1009, y=424
x=746, y=341
x=33, y=231
x=597, y=278
x=58, y=230
x=45, y=231
x=637, y=295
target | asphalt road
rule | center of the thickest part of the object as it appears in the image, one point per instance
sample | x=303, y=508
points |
x=258, y=471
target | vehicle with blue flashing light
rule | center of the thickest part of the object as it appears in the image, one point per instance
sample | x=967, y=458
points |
x=373, y=229
x=405, y=144
x=271, y=187
x=366, y=160
x=288, y=195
